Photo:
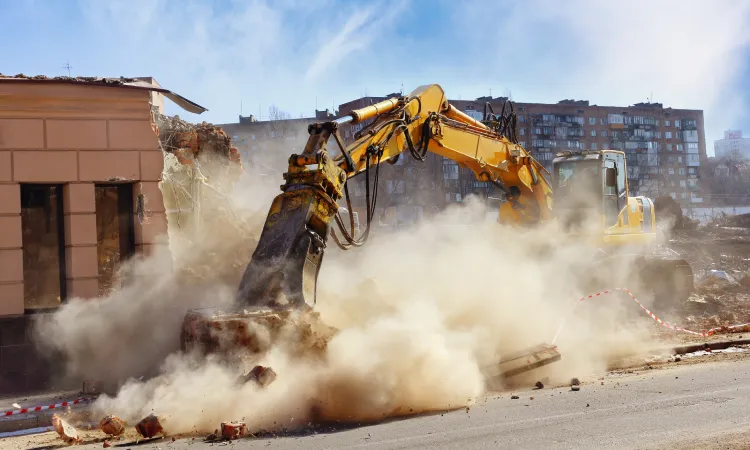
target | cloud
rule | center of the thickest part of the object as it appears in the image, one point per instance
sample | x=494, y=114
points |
x=341, y=46
x=687, y=54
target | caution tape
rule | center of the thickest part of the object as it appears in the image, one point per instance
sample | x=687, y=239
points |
x=663, y=323
x=77, y=401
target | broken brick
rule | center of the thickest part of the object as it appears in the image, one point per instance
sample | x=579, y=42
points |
x=66, y=431
x=149, y=427
x=233, y=430
x=112, y=425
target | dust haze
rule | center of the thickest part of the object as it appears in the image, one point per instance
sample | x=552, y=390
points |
x=421, y=312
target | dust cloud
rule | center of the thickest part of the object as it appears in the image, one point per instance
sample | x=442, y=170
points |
x=422, y=312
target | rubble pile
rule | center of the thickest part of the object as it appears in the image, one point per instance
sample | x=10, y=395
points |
x=719, y=254
x=208, y=239
x=724, y=220
x=720, y=300
x=669, y=213
x=189, y=142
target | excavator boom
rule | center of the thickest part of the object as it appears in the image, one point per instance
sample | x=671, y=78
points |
x=286, y=262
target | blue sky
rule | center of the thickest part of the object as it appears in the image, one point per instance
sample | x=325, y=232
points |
x=296, y=54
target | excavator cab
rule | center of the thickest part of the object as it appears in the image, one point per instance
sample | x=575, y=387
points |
x=591, y=196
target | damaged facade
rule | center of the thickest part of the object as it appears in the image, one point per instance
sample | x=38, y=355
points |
x=80, y=166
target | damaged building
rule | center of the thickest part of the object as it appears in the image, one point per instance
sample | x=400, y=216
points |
x=80, y=166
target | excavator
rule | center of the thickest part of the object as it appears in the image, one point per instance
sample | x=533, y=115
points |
x=279, y=285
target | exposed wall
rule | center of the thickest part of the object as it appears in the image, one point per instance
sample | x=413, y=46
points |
x=77, y=136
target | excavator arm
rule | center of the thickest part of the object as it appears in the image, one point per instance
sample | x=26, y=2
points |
x=284, y=267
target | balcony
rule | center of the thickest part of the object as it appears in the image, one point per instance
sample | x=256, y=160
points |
x=689, y=125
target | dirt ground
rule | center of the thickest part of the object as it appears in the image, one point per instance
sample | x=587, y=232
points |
x=722, y=298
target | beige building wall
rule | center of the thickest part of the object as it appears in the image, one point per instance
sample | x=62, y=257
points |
x=75, y=135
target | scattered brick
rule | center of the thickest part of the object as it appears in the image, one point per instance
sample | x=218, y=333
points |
x=149, y=427
x=66, y=431
x=112, y=425
x=233, y=430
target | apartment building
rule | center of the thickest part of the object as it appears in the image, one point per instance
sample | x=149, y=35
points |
x=733, y=146
x=665, y=147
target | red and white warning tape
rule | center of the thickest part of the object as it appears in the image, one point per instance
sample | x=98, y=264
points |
x=77, y=401
x=671, y=326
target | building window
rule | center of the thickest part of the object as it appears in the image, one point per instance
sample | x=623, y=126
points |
x=666, y=123
x=677, y=124
x=593, y=146
x=603, y=133
x=115, y=232
x=583, y=146
x=668, y=134
x=522, y=131
x=593, y=133
x=602, y=121
x=474, y=114
x=682, y=169
x=671, y=171
x=537, y=130
x=43, y=246
x=678, y=147
x=522, y=118
x=592, y=120
x=522, y=143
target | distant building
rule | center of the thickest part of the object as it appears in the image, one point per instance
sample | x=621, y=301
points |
x=269, y=143
x=733, y=146
x=665, y=147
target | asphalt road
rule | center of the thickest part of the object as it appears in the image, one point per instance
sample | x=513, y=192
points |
x=688, y=406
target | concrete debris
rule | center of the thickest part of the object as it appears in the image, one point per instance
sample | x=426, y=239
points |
x=106, y=444
x=112, y=425
x=262, y=376
x=539, y=385
x=514, y=397
x=189, y=142
x=575, y=382
x=149, y=427
x=233, y=430
x=66, y=431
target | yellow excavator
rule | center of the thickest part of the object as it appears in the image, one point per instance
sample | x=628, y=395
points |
x=279, y=283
